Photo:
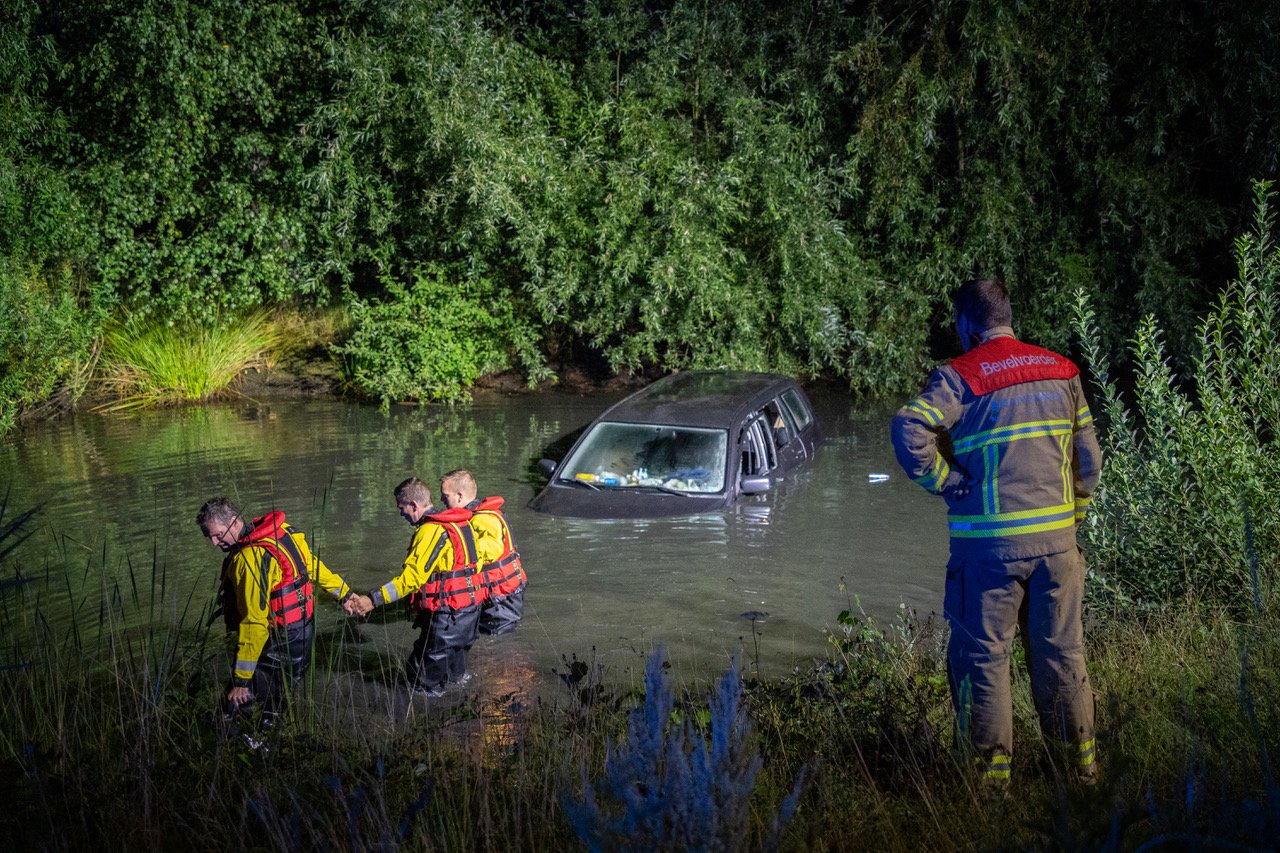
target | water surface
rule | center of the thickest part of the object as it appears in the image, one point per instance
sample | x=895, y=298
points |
x=118, y=496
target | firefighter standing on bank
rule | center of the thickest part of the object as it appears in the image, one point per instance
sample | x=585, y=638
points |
x=268, y=599
x=1003, y=433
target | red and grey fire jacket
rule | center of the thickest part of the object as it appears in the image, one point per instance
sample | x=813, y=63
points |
x=441, y=570
x=1004, y=434
x=267, y=584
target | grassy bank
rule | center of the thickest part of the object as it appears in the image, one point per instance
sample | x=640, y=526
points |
x=108, y=738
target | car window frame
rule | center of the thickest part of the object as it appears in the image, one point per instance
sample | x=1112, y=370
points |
x=793, y=399
x=757, y=436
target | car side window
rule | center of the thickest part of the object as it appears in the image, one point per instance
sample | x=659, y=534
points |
x=778, y=423
x=798, y=409
x=758, y=454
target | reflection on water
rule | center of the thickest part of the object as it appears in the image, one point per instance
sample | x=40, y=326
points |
x=118, y=495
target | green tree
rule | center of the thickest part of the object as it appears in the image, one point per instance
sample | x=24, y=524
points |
x=49, y=313
x=188, y=118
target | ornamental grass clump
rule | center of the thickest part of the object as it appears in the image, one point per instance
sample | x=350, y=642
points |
x=671, y=786
x=148, y=363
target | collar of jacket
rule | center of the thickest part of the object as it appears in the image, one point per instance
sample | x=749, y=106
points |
x=997, y=332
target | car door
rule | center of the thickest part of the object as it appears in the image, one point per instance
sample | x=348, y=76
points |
x=786, y=434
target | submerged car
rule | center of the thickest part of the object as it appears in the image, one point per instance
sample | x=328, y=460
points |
x=689, y=443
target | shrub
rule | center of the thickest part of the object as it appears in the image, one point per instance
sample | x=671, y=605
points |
x=46, y=335
x=667, y=787
x=1194, y=467
x=49, y=312
x=429, y=340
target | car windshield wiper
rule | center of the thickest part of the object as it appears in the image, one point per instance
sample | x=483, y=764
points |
x=586, y=484
x=663, y=489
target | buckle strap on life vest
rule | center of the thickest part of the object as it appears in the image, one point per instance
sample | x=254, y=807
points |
x=303, y=604
x=455, y=587
x=506, y=574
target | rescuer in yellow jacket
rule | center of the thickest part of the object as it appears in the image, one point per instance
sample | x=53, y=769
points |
x=501, y=568
x=267, y=597
x=440, y=580
x=1004, y=435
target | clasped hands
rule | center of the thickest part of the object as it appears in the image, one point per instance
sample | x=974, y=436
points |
x=358, y=605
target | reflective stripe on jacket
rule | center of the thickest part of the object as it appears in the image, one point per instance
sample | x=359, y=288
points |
x=1008, y=422
x=441, y=568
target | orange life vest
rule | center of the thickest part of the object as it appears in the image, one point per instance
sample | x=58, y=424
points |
x=291, y=600
x=458, y=587
x=506, y=574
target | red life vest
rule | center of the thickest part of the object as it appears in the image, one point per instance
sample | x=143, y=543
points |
x=459, y=587
x=292, y=599
x=1005, y=361
x=506, y=574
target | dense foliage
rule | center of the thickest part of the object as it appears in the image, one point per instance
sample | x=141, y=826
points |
x=430, y=340
x=1186, y=511
x=749, y=184
x=48, y=311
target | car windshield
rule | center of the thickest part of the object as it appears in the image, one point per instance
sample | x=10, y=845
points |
x=682, y=459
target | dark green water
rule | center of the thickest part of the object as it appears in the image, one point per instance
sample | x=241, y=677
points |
x=118, y=495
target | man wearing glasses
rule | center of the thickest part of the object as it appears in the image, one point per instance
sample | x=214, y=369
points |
x=268, y=599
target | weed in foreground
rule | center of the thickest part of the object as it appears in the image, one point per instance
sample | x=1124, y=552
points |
x=678, y=781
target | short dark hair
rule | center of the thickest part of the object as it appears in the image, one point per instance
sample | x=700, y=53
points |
x=217, y=509
x=414, y=490
x=984, y=302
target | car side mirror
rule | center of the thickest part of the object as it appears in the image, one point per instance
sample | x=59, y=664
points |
x=754, y=485
x=548, y=467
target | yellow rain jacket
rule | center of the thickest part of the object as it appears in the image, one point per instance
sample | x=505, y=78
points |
x=251, y=573
x=432, y=576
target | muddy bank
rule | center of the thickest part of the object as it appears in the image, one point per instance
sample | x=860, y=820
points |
x=319, y=376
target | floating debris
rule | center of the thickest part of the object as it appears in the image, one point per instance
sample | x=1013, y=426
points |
x=877, y=478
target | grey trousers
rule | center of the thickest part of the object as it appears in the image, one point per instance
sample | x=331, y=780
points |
x=439, y=655
x=1041, y=598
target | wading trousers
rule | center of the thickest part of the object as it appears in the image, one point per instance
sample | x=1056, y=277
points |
x=1041, y=597
x=501, y=615
x=439, y=655
x=283, y=662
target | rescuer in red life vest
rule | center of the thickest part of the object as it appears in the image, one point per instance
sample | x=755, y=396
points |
x=501, y=570
x=1003, y=433
x=268, y=599
x=441, y=580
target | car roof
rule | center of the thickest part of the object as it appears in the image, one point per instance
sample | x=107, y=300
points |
x=700, y=398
